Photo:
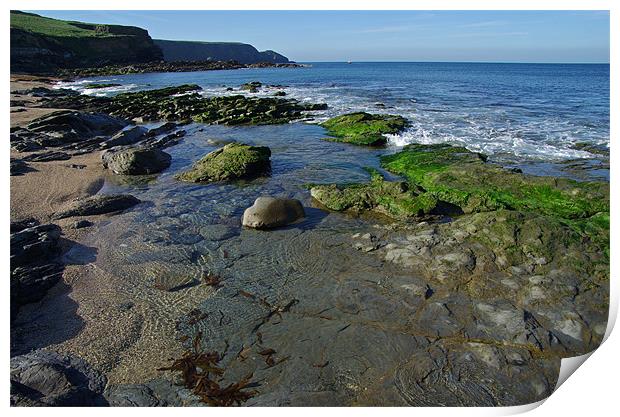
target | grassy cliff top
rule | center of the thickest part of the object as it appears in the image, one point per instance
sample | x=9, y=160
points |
x=34, y=23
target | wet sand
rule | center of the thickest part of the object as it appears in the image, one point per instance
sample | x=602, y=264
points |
x=87, y=313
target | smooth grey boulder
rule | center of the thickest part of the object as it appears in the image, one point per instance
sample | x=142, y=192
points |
x=270, y=212
x=126, y=137
x=136, y=161
x=46, y=378
x=98, y=204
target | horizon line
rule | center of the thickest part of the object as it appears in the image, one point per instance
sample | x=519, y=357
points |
x=450, y=62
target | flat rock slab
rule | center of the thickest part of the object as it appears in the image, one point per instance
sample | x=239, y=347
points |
x=99, y=204
x=126, y=137
x=46, y=378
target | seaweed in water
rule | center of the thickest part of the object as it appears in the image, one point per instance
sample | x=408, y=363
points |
x=202, y=374
x=212, y=280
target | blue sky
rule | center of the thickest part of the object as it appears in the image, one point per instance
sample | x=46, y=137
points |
x=305, y=36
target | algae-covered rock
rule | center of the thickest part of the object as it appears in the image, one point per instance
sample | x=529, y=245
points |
x=396, y=199
x=364, y=128
x=464, y=178
x=183, y=103
x=252, y=87
x=136, y=161
x=233, y=161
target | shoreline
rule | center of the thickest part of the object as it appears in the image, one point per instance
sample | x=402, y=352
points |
x=78, y=311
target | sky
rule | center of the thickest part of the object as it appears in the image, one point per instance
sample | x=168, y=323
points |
x=311, y=36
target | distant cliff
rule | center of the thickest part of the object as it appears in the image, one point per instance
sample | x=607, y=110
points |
x=216, y=51
x=40, y=44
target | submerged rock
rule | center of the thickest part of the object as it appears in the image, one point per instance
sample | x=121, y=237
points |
x=136, y=161
x=46, y=378
x=364, y=128
x=233, y=161
x=270, y=212
x=99, y=204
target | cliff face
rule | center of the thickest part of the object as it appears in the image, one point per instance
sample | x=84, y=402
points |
x=40, y=44
x=216, y=51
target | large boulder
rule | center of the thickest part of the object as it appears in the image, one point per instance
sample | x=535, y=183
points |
x=46, y=378
x=136, y=161
x=270, y=212
x=233, y=161
x=99, y=204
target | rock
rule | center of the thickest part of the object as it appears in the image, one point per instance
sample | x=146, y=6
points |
x=233, y=161
x=71, y=125
x=270, y=212
x=279, y=94
x=33, y=270
x=80, y=224
x=99, y=204
x=155, y=393
x=126, y=137
x=101, y=85
x=466, y=180
x=395, y=199
x=183, y=103
x=364, y=128
x=252, y=87
x=48, y=378
x=136, y=161
x=47, y=156
x=38, y=242
x=19, y=167
x=46, y=92
x=18, y=226
x=164, y=128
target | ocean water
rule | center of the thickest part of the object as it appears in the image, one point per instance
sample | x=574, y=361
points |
x=516, y=113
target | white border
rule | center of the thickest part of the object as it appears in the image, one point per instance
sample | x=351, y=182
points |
x=592, y=391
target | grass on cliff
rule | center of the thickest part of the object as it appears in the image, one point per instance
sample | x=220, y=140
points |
x=53, y=27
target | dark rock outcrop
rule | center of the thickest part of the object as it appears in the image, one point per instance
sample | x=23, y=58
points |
x=68, y=128
x=46, y=378
x=33, y=269
x=98, y=204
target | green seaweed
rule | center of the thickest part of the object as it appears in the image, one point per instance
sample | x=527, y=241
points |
x=233, y=161
x=363, y=128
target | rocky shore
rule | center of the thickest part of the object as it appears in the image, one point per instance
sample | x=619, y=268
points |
x=175, y=66
x=459, y=283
